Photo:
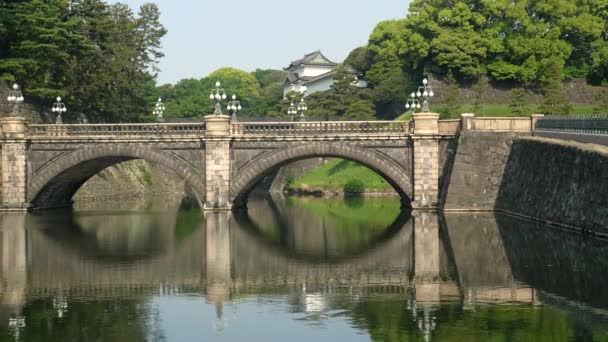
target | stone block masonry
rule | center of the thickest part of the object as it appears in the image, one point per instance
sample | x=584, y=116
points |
x=477, y=170
x=217, y=163
x=557, y=181
x=426, y=173
x=14, y=179
x=217, y=173
x=426, y=161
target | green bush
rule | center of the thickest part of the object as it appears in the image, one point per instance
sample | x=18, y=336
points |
x=354, y=186
x=289, y=181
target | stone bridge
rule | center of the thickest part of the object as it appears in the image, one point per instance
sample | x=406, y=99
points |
x=44, y=165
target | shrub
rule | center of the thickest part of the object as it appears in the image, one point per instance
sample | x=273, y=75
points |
x=354, y=186
x=288, y=181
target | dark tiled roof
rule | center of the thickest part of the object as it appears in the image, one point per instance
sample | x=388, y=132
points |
x=308, y=58
x=292, y=78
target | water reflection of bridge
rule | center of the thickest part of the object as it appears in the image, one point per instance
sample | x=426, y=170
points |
x=223, y=259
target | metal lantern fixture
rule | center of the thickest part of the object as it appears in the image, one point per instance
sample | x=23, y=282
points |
x=294, y=110
x=413, y=103
x=15, y=96
x=159, y=109
x=234, y=106
x=59, y=107
x=302, y=107
x=425, y=92
x=218, y=94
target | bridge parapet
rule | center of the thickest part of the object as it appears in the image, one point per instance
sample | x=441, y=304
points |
x=498, y=124
x=117, y=130
x=320, y=128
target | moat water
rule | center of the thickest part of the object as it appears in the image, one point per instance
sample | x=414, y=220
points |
x=295, y=269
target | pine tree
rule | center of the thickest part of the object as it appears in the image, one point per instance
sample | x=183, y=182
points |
x=478, y=100
x=554, y=101
x=451, y=101
x=517, y=101
x=602, y=102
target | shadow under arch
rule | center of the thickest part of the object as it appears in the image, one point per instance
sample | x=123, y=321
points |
x=250, y=227
x=255, y=170
x=57, y=182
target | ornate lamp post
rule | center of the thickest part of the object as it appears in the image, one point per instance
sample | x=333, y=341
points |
x=59, y=107
x=413, y=103
x=425, y=92
x=218, y=94
x=159, y=109
x=234, y=106
x=293, y=110
x=302, y=107
x=15, y=97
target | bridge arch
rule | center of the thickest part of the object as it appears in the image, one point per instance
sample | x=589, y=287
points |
x=57, y=182
x=253, y=171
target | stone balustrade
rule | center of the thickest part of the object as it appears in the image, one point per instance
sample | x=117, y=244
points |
x=114, y=130
x=317, y=128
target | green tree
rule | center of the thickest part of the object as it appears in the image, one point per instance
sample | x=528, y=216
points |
x=99, y=57
x=271, y=83
x=517, y=101
x=358, y=59
x=554, y=100
x=281, y=108
x=344, y=101
x=451, y=101
x=240, y=83
x=479, y=90
x=390, y=95
x=602, y=101
x=508, y=40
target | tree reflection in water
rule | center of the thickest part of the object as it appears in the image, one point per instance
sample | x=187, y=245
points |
x=104, y=275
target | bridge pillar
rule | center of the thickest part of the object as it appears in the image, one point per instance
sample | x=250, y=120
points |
x=426, y=161
x=217, y=163
x=14, y=167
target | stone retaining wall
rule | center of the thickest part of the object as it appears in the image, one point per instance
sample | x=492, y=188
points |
x=554, y=181
x=476, y=174
x=557, y=181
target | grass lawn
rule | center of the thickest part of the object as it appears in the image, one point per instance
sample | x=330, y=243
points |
x=503, y=110
x=335, y=174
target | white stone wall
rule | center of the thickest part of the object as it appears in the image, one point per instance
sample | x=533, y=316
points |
x=313, y=71
x=323, y=85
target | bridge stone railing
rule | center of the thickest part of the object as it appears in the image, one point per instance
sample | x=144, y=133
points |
x=320, y=128
x=591, y=124
x=114, y=130
x=448, y=126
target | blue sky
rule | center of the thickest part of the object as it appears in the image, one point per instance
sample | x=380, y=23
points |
x=248, y=34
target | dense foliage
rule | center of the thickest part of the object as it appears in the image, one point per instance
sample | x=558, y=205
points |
x=507, y=39
x=258, y=92
x=100, y=58
x=536, y=43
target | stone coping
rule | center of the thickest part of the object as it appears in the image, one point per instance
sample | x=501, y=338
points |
x=587, y=147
